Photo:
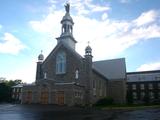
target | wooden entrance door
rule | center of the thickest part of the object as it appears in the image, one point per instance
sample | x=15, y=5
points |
x=29, y=97
x=60, y=97
x=44, y=97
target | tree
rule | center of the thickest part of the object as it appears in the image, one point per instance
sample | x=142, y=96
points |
x=6, y=89
x=129, y=97
x=18, y=81
x=5, y=92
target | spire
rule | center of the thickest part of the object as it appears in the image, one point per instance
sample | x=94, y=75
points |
x=67, y=21
x=67, y=28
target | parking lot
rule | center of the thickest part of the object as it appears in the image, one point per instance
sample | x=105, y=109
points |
x=53, y=112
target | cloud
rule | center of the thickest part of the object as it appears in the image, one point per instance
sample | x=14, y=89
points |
x=97, y=8
x=124, y=1
x=27, y=72
x=10, y=44
x=104, y=16
x=149, y=66
x=0, y=26
x=52, y=4
x=85, y=7
x=146, y=18
x=48, y=25
x=108, y=37
x=100, y=9
x=129, y=38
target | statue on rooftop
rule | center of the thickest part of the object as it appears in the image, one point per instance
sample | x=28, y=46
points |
x=67, y=7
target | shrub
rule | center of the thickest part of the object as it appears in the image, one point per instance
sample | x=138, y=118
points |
x=129, y=98
x=146, y=99
x=105, y=101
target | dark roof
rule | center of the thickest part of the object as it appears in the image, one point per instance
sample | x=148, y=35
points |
x=99, y=74
x=144, y=72
x=111, y=69
x=18, y=86
x=143, y=76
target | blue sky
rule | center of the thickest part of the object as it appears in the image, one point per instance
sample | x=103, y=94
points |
x=115, y=29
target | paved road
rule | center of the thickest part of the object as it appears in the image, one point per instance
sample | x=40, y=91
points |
x=52, y=112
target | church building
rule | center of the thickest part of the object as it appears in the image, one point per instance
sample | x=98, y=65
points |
x=67, y=78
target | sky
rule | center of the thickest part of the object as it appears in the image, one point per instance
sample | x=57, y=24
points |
x=127, y=29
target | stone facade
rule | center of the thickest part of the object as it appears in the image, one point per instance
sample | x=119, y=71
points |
x=67, y=78
x=117, y=90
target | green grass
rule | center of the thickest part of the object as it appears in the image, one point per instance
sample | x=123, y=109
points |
x=127, y=107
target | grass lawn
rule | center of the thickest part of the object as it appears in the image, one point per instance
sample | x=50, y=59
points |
x=127, y=107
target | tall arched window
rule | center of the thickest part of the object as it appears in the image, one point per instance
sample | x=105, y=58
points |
x=61, y=63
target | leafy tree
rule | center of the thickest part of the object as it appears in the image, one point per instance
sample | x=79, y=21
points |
x=18, y=81
x=5, y=92
x=6, y=89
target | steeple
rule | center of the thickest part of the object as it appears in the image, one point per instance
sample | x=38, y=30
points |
x=67, y=29
x=88, y=50
x=40, y=57
x=39, y=72
x=88, y=76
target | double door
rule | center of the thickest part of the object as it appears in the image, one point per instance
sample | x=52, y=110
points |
x=44, y=97
x=60, y=97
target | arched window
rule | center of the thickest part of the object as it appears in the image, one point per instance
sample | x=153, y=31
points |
x=61, y=63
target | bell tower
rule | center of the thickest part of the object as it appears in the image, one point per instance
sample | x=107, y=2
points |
x=67, y=29
x=88, y=76
x=39, y=72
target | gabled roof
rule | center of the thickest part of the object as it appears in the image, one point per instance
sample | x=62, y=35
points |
x=112, y=69
x=18, y=86
x=99, y=74
x=61, y=43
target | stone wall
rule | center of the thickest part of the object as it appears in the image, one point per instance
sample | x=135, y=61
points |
x=73, y=63
x=100, y=90
x=117, y=90
x=33, y=94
